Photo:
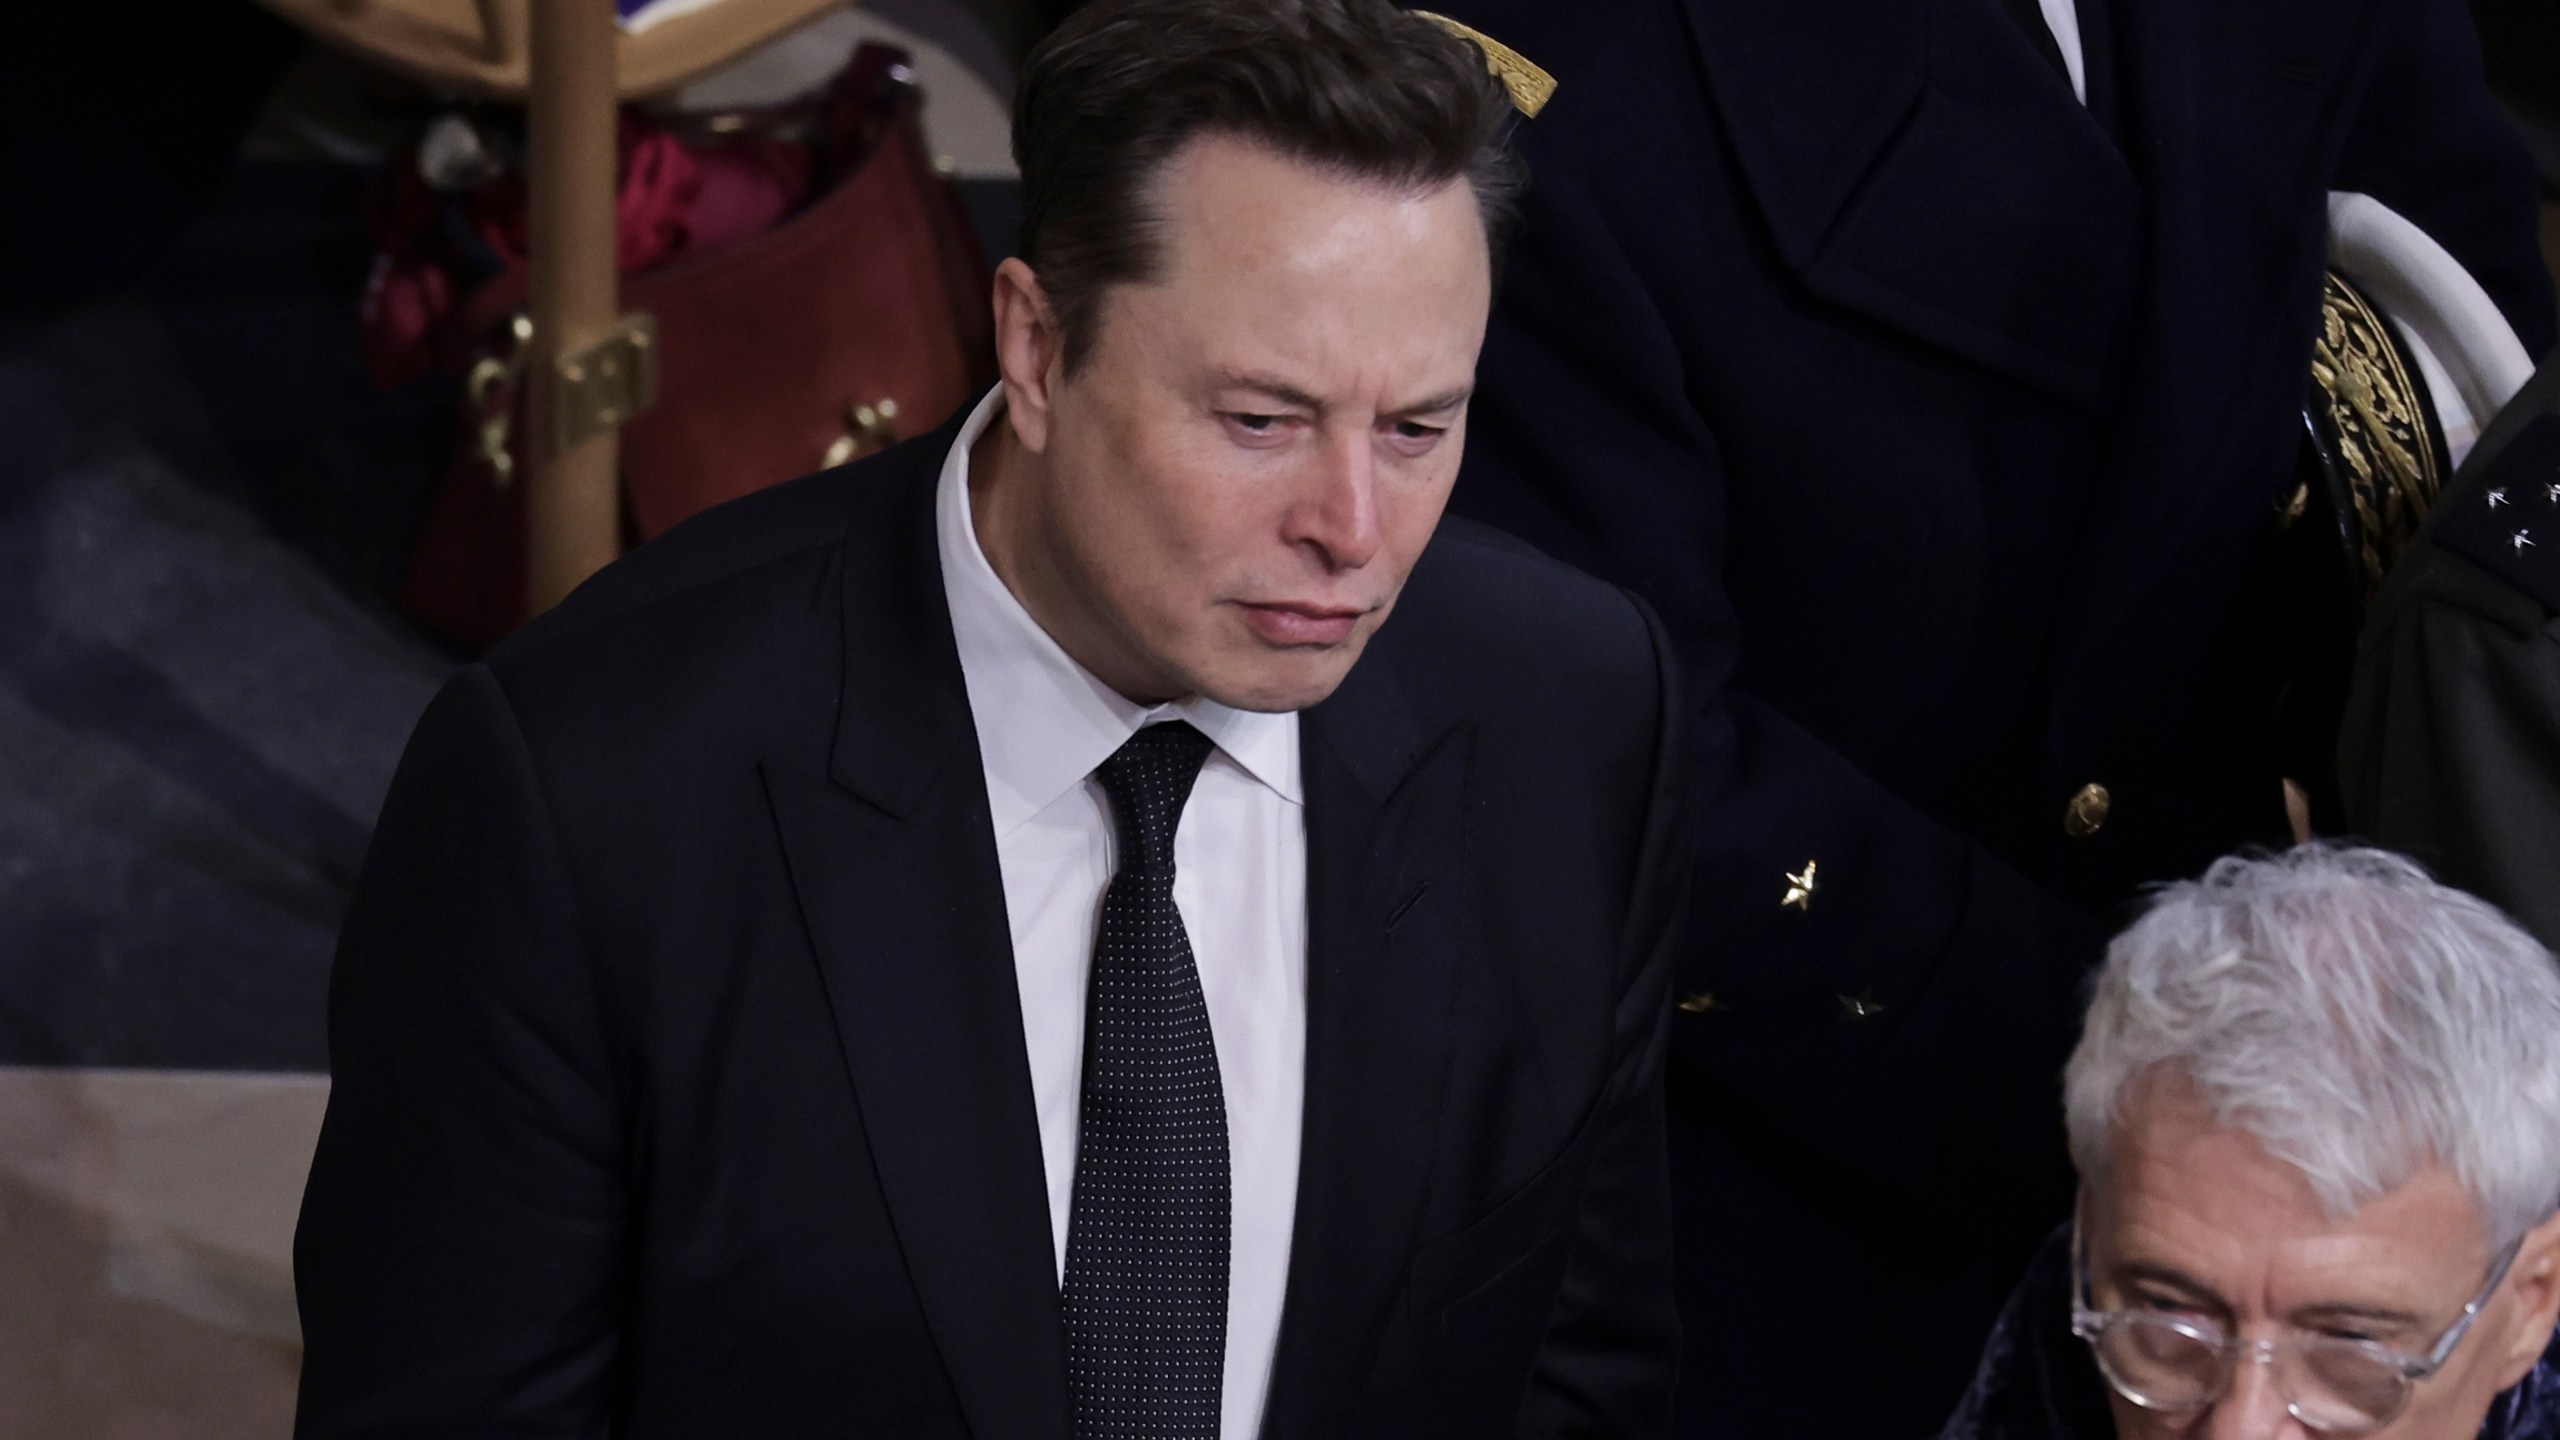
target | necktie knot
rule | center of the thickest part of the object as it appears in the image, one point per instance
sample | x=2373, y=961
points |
x=1148, y=781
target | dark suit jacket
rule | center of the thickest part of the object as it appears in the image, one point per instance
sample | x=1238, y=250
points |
x=1939, y=417
x=679, y=1083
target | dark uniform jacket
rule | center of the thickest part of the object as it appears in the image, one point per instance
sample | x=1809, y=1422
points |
x=1939, y=416
x=678, y=1074
x=2451, y=748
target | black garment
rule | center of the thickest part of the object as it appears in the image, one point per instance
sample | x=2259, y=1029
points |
x=2038, y=1381
x=1939, y=418
x=1146, y=1280
x=679, y=1075
x=2029, y=14
x=2451, y=748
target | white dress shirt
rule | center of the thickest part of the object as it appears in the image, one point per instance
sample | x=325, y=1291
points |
x=1240, y=880
x=2062, y=17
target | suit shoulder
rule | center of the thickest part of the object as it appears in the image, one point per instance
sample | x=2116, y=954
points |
x=1521, y=614
x=2505, y=515
x=704, y=636
x=799, y=519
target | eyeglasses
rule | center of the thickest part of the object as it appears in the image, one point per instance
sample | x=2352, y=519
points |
x=2331, y=1383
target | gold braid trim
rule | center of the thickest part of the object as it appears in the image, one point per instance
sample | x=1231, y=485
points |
x=2381, y=422
x=1530, y=86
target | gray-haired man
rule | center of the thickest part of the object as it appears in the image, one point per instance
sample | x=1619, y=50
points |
x=2316, y=1114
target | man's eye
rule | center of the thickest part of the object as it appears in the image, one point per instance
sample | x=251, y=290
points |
x=1258, y=424
x=1415, y=430
x=2173, y=1307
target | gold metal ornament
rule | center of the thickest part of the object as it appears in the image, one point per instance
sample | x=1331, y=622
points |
x=602, y=386
x=868, y=430
x=2087, y=812
x=1531, y=88
x=2381, y=421
x=491, y=392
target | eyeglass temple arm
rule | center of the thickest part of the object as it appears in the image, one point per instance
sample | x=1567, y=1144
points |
x=2443, y=1348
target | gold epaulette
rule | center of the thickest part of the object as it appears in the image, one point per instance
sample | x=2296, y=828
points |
x=1530, y=86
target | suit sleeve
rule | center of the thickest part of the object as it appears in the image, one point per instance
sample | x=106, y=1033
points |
x=1612, y=1350
x=1585, y=441
x=2427, y=140
x=458, y=1254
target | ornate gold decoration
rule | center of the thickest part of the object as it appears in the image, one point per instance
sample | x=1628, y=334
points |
x=1800, y=889
x=1862, y=1006
x=2381, y=422
x=1531, y=88
x=2087, y=812
x=1699, y=1002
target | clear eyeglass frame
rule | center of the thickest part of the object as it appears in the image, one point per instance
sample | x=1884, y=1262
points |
x=2394, y=1373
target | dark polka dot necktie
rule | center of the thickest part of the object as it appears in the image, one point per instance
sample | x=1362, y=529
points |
x=1146, y=1282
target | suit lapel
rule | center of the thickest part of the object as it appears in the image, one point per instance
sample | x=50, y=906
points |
x=1920, y=163
x=893, y=857
x=1385, y=856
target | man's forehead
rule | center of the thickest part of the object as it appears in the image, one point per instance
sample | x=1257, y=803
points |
x=2210, y=1207
x=1238, y=203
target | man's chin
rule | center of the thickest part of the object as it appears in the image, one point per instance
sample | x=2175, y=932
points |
x=1279, y=682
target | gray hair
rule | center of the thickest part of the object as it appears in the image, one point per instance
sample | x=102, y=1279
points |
x=2359, y=1019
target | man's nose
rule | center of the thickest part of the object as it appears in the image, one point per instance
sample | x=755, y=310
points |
x=1337, y=510
x=2254, y=1409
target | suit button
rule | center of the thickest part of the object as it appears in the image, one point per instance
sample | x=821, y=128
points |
x=2087, y=812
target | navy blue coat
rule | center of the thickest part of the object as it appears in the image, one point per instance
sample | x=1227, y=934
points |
x=1940, y=418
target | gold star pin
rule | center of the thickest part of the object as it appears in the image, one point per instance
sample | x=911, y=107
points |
x=1800, y=889
x=1862, y=1006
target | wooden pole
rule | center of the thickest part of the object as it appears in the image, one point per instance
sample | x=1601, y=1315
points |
x=502, y=27
x=572, y=175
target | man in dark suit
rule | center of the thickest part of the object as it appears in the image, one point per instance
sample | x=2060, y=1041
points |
x=1010, y=939
x=1935, y=367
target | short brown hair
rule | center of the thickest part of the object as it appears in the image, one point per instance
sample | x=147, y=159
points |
x=1358, y=86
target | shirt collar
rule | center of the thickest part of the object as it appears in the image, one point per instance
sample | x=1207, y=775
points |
x=1044, y=722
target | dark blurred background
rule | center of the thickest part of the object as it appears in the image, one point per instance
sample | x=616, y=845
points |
x=2521, y=42
x=206, y=508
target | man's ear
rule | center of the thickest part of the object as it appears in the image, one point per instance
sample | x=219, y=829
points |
x=2535, y=1283
x=1030, y=352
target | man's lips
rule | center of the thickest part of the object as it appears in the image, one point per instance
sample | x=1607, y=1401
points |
x=1289, y=623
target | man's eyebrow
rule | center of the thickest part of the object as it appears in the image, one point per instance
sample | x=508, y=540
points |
x=2378, y=1316
x=2166, y=1278
x=1288, y=394
x=1447, y=400
x=2163, y=1277
x=1271, y=385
